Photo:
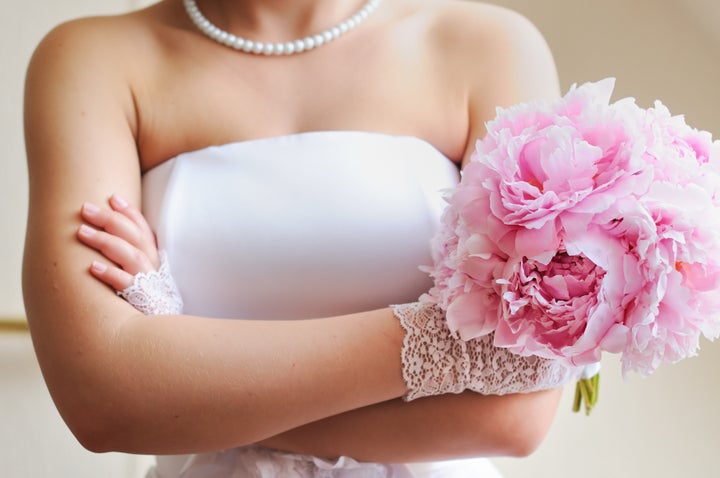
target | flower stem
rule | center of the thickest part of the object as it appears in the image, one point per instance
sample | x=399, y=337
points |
x=586, y=392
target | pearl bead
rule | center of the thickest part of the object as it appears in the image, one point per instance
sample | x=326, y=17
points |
x=286, y=48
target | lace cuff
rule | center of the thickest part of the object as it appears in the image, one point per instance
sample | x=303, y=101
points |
x=433, y=361
x=436, y=362
x=154, y=292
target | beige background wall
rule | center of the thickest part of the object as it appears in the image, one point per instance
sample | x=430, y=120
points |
x=658, y=427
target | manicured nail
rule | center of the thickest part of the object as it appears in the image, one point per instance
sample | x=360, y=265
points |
x=98, y=267
x=118, y=201
x=90, y=209
x=86, y=230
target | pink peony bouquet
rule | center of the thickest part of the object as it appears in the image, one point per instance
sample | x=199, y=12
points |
x=582, y=226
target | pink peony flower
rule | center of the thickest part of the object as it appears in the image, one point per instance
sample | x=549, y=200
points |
x=557, y=300
x=684, y=202
x=581, y=226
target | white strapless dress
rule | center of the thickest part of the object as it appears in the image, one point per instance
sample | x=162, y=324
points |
x=300, y=226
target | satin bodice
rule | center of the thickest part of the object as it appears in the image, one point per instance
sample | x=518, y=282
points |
x=299, y=226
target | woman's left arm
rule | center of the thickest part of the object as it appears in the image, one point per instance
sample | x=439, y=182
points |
x=505, y=61
x=434, y=428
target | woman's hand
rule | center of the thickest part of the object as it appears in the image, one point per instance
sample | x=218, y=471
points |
x=124, y=237
x=139, y=273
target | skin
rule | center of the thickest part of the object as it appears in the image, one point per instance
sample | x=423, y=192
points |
x=109, y=98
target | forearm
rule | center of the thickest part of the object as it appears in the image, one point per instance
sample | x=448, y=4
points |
x=176, y=384
x=433, y=428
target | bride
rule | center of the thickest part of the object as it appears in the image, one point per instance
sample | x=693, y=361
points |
x=294, y=184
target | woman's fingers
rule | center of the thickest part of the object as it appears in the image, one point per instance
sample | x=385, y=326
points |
x=119, y=204
x=118, y=224
x=111, y=275
x=131, y=259
x=113, y=223
x=123, y=236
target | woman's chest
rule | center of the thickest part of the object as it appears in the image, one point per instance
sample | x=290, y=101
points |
x=188, y=103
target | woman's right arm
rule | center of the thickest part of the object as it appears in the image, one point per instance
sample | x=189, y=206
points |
x=176, y=383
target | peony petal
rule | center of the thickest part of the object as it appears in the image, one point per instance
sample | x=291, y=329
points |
x=473, y=314
x=538, y=244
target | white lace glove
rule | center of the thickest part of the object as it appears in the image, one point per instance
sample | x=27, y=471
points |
x=154, y=292
x=435, y=362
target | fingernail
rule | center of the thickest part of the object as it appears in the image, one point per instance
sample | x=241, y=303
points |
x=119, y=201
x=98, y=267
x=90, y=209
x=86, y=230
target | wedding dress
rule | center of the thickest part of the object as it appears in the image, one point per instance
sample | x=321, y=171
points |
x=300, y=226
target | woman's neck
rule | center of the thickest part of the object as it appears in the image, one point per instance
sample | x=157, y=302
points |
x=277, y=20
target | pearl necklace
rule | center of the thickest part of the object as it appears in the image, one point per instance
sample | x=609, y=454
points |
x=282, y=48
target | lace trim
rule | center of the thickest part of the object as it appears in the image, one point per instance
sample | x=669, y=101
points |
x=437, y=362
x=154, y=292
x=433, y=362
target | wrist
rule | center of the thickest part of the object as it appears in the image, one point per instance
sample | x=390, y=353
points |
x=154, y=292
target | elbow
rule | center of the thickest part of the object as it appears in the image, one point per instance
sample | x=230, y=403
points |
x=94, y=432
x=513, y=425
x=92, y=440
x=110, y=435
x=95, y=415
x=99, y=421
x=524, y=442
x=527, y=422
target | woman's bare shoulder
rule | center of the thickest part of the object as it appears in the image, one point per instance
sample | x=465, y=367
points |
x=88, y=32
x=477, y=19
x=481, y=32
x=100, y=60
x=480, y=43
x=99, y=41
x=497, y=56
